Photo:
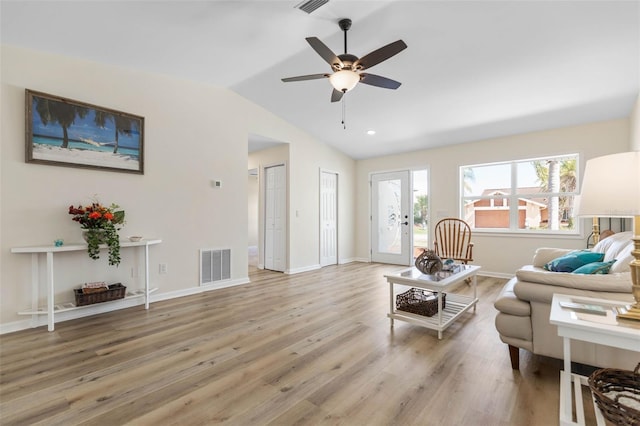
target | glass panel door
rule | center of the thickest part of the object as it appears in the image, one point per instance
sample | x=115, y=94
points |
x=391, y=223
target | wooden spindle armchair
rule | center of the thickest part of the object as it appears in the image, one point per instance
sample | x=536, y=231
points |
x=452, y=240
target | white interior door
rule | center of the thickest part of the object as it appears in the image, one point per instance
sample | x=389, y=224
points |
x=275, y=219
x=391, y=219
x=328, y=218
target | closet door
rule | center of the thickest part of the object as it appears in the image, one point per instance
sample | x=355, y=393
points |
x=328, y=218
x=275, y=218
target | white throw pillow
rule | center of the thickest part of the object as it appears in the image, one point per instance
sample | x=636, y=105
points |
x=623, y=259
x=614, y=247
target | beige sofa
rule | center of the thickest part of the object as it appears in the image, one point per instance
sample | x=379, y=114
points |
x=524, y=304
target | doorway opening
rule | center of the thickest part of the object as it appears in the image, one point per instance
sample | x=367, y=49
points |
x=263, y=153
x=420, y=184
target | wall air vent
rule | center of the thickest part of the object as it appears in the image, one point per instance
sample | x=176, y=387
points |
x=310, y=5
x=215, y=265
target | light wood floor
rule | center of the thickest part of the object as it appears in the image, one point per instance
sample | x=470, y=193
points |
x=310, y=349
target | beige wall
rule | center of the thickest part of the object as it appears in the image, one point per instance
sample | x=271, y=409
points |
x=252, y=211
x=194, y=133
x=635, y=126
x=499, y=254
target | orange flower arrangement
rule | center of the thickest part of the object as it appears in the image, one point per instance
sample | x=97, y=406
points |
x=100, y=223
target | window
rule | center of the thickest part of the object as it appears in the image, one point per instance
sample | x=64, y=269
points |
x=534, y=195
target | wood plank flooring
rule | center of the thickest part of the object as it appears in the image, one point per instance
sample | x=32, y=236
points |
x=308, y=349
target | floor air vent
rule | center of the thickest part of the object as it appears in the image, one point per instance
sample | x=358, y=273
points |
x=311, y=5
x=215, y=265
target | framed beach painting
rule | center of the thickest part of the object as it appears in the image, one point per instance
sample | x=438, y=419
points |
x=70, y=133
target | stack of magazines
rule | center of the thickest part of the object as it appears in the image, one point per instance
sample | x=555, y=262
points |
x=95, y=287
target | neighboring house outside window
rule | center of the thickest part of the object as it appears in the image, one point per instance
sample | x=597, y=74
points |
x=535, y=195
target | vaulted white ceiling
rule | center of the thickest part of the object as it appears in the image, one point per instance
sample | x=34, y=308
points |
x=472, y=69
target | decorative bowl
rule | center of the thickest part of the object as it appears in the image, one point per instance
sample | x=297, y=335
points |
x=135, y=238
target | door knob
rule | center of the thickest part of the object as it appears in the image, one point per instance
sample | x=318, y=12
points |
x=404, y=223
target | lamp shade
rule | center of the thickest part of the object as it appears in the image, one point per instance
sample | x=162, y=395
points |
x=344, y=80
x=611, y=186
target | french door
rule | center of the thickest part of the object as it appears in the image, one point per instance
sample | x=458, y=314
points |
x=391, y=219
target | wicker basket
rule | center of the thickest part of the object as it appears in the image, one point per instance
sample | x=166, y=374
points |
x=613, y=390
x=421, y=302
x=115, y=292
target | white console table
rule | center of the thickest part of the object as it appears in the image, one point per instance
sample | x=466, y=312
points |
x=624, y=335
x=48, y=251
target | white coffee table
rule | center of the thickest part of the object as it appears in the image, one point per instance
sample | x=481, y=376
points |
x=625, y=335
x=456, y=304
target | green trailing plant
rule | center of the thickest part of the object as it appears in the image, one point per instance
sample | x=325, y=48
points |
x=101, y=225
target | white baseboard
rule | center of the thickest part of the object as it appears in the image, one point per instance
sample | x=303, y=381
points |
x=11, y=327
x=303, y=269
x=196, y=290
x=491, y=274
x=99, y=308
x=347, y=260
x=81, y=312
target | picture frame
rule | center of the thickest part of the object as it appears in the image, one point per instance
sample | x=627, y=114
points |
x=70, y=133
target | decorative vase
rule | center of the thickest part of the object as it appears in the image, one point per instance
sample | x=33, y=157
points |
x=428, y=262
x=100, y=235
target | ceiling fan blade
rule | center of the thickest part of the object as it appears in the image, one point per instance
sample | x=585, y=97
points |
x=336, y=95
x=305, y=77
x=324, y=51
x=379, y=55
x=378, y=81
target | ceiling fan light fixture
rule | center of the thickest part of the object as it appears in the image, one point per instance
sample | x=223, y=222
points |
x=344, y=80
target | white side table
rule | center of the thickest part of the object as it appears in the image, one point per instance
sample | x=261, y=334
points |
x=624, y=335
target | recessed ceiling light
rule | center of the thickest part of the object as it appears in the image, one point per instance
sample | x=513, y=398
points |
x=371, y=132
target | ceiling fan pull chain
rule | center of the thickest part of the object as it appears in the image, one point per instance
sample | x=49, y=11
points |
x=344, y=112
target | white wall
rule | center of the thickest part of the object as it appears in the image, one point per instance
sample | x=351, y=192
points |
x=305, y=209
x=193, y=133
x=496, y=254
x=252, y=211
x=634, y=126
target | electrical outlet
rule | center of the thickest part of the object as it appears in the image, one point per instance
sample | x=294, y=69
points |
x=163, y=268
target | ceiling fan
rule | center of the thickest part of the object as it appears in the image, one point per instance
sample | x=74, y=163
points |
x=347, y=68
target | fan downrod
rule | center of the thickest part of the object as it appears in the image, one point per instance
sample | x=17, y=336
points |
x=345, y=24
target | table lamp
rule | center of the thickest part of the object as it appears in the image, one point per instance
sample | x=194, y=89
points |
x=611, y=188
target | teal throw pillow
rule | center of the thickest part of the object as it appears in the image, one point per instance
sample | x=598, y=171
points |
x=595, y=268
x=573, y=260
